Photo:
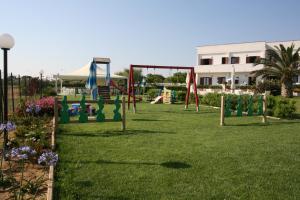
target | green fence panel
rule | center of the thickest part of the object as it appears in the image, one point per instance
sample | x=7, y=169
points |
x=83, y=116
x=117, y=114
x=239, y=107
x=250, y=106
x=64, y=114
x=100, y=115
x=228, y=107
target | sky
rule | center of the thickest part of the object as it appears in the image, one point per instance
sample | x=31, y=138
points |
x=59, y=36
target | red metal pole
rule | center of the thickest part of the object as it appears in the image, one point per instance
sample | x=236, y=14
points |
x=188, y=91
x=129, y=86
x=133, y=93
x=195, y=91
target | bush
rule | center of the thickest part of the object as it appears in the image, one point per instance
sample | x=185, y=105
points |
x=44, y=106
x=209, y=86
x=153, y=93
x=176, y=88
x=246, y=87
x=276, y=106
x=47, y=105
x=284, y=108
x=49, y=92
x=181, y=95
x=272, y=86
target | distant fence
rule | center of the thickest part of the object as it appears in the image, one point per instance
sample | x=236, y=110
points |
x=19, y=88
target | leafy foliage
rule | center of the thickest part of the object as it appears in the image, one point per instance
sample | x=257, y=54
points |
x=281, y=63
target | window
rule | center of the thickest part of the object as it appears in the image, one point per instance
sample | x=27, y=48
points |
x=236, y=80
x=221, y=80
x=206, y=61
x=225, y=60
x=235, y=60
x=205, y=81
x=251, y=80
x=252, y=59
x=295, y=79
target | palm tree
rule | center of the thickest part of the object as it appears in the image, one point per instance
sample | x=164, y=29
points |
x=281, y=63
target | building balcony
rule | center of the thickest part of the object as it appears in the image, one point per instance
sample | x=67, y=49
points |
x=227, y=68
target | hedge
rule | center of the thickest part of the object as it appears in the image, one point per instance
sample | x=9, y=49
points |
x=276, y=106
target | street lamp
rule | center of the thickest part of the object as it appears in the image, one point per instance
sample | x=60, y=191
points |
x=41, y=83
x=6, y=43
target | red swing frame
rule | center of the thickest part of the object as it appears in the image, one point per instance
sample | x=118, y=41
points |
x=192, y=77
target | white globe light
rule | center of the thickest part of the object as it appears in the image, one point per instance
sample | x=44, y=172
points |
x=6, y=41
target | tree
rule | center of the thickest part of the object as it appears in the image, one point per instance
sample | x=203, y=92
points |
x=154, y=78
x=178, y=77
x=281, y=63
x=137, y=75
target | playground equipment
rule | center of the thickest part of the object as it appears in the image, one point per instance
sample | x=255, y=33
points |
x=168, y=96
x=157, y=100
x=124, y=91
x=191, y=80
x=227, y=112
x=83, y=116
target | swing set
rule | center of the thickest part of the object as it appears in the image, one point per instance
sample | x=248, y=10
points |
x=191, y=80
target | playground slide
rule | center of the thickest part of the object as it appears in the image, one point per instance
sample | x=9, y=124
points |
x=156, y=100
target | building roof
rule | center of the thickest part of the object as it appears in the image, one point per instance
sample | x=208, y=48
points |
x=247, y=42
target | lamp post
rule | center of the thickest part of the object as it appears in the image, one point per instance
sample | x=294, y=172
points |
x=41, y=83
x=6, y=43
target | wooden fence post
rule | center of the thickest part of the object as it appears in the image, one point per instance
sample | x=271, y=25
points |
x=123, y=114
x=264, y=118
x=222, y=111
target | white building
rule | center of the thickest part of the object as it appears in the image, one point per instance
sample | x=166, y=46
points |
x=215, y=63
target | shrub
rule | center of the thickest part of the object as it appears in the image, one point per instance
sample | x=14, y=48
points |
x=49, y=92
x=245, y=87
x=176, y=88
x=284, y=108
x=46, y=105
x=276, y=106
x=268, y=85
x=153, y=93
x=181, y=95
x=209, y=86
x=212, y=99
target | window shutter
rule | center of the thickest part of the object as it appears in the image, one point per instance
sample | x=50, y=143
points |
x=247, y=60
x=202, y=81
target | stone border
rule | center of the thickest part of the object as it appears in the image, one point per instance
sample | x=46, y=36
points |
x=51, y=168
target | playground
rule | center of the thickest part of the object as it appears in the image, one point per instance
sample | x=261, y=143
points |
x=168, y=152
x=175, y=149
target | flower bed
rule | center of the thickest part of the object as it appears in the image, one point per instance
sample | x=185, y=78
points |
x=25, y=163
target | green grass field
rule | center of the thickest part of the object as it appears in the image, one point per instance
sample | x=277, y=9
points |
x=170, y=153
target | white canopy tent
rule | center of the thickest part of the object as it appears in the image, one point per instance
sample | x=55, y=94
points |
x=82, y=74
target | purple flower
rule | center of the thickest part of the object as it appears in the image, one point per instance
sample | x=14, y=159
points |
x=48, y=158
x=9, y=126
x=33, y=108
x=22, y=153
x=37, y=109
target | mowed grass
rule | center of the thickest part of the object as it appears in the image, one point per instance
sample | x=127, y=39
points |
x=170, y=153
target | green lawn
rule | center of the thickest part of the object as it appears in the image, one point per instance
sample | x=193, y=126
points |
x=169, y=153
